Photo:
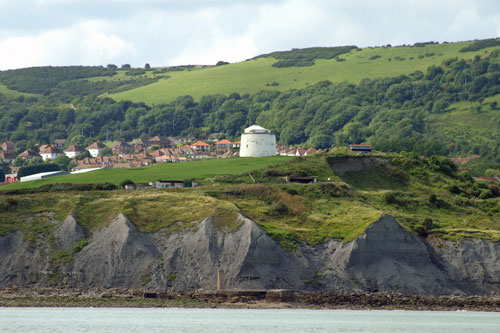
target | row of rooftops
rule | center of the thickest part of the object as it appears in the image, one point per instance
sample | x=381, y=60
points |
x=125, y=150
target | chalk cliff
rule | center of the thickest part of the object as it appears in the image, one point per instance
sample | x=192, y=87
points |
x=386, y=257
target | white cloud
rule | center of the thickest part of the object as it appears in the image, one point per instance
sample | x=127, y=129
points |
x=83, y=43
x=169, y=32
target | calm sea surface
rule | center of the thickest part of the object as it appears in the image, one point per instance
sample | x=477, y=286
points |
x=221, y=320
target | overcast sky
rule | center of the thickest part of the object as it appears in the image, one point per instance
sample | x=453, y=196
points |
x=175, y=32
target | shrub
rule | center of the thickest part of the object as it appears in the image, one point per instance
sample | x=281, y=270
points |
x=495, y=190
x=126, y=182
x=390, y=198
x=427, y=223
x=485, y=194
x=433, y=199
x=279, y=208
x=442, y=164
x=78, y=247
x=473, y=192
x=37, y=168
x=11, y=202
x=454, y=189
x=420, y=229
x=481, y=44
x=465, y=176
x=106, y=186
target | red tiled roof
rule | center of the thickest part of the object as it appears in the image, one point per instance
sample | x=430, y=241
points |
x=7, y=156
x=140, y=142
x=462, y=160
x=9, y=145
x=50, y=150
x=492, y=179
x=97, y=145
x=224, y=142
x=120, y=144
x=200, y=144
x=157, y=153
x=74, y=148
x=28, y=153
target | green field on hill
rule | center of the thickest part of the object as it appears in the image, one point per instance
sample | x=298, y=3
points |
x=258, y=74
x=465, y=121
x=12, y=93
x=427, y=196
x=198, y=170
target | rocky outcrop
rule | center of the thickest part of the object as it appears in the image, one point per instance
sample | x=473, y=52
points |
x=117, y=255
x=21, y=263
x=386, y=258
x=250, y=258
x=69, y=233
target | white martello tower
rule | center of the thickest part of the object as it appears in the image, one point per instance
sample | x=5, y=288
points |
x=257, y=141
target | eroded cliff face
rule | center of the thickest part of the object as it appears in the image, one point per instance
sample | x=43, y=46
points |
x=385, y=258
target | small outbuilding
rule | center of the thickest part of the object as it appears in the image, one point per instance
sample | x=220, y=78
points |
x=365, y=148
x=173, y=183
x=43, y=175
x=303, y=180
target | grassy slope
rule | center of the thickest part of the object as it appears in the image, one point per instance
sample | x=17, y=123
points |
x=464, y=121
x=13, y=93
x=253, y=75
x=203, y=169
x=290, y=213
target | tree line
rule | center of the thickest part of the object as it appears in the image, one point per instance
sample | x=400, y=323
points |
x=390, y=113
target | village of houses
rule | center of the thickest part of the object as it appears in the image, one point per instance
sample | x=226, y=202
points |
x=136, y=153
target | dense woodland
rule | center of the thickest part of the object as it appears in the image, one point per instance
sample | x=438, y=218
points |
x=390, y=113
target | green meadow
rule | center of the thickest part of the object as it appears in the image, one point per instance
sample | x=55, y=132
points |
x=423, y=194
x=13, y=93
x=468, y=122
x=198, y=170
x=258, y=74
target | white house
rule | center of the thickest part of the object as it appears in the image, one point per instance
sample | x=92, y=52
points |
x=73, y=150
x=200, y=146
x=257, y=141
x=49, y=153
x=95, y=148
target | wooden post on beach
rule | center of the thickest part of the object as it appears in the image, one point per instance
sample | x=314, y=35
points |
x=220, y=280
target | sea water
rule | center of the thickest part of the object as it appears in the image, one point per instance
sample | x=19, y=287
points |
x=239, y=320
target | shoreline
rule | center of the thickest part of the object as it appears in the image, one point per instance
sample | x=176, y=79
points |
x=214, y=300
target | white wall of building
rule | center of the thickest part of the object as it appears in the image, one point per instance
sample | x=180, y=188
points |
x=94, y=152
x=48, y=156
x=257, y=142
x=70, y=154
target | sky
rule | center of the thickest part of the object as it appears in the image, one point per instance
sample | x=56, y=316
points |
x=181, y=32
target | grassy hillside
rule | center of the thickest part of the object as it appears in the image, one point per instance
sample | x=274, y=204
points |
x=427, y=196
x=257, y=74
x=12, y=93
x=199, y=170
x=471, y=125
